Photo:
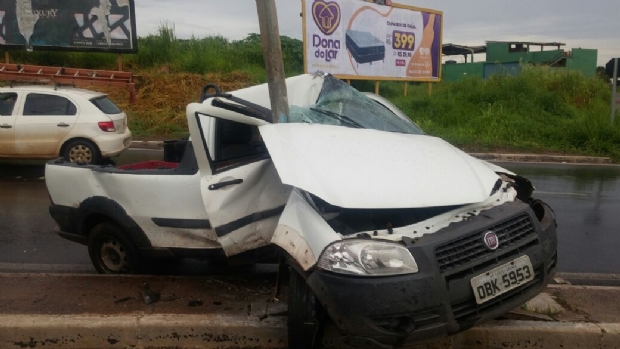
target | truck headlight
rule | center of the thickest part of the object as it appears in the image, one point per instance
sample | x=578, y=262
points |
x=367, y=258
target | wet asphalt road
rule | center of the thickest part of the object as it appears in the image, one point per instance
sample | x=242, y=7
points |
x=586, y=200
x=27, y=238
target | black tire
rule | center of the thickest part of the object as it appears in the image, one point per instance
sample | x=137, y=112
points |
x=111, y=252
x=306, y=316
x=81, y=151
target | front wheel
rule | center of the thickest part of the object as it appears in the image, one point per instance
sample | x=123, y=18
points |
x=111, y=252
x=306, y=316
x=81, y=151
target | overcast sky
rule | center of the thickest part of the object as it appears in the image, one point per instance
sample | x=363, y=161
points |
x=578, y=23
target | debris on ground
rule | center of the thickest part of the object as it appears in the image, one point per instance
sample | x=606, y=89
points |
x=195, y=303
x=560, y=281
x=149, y=295
x=123, y=300
x=174, y=297
x=544, y=304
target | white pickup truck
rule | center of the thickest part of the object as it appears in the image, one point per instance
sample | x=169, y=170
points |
x=395, y=235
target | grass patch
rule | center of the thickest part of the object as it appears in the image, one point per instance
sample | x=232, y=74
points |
x=163, y=51
x=541, y=110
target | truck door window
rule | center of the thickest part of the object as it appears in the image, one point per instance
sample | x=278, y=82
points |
x=237, y=143
x=7, y=103
x=43, y=104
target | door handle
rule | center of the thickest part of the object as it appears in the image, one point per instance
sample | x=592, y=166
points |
x=62, y=124
x=221, y=185
x=6, y=126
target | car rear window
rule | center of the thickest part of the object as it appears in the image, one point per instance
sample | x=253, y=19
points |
x=106, y=105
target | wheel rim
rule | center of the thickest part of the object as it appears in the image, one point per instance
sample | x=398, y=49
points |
x=113, y=256
x=80, y=153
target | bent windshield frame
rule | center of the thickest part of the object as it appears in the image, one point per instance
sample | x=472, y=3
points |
x=342, y=105
x=338, y=104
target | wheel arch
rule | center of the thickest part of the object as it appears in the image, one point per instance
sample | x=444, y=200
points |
x=98, y=209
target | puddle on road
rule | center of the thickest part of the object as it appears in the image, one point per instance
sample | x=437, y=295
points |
x=19, y=172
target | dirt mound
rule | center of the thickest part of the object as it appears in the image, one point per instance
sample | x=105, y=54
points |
x=162, y=98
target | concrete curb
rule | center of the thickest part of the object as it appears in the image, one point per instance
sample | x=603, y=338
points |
x=147, y=145
x=220, y=331
x=484, y=156
x=141, y=331
x=588, y=279
x=570, y=159
x=535, y=334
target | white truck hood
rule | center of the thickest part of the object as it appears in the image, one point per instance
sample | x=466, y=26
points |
x=365, y=168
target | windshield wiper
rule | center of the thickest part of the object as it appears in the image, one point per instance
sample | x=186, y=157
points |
x=339, y=117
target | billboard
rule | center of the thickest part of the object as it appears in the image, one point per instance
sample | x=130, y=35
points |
x=372, y=40
x=70, y=25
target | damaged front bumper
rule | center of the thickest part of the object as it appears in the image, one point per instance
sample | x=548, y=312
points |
x=439, y=300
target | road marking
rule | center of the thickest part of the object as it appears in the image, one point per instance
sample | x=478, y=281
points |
x=74, y=268
x=560, y=193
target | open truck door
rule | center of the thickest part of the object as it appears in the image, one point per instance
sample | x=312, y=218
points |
x=241, y=190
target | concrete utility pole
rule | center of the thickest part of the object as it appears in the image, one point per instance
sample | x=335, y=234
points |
x=272, y=52
x=613, y=94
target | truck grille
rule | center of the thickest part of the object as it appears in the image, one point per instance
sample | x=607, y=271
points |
x=467, y=249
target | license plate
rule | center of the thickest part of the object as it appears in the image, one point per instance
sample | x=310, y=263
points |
x=502, y=279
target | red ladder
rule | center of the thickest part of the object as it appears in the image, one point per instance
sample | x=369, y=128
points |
x=68, y=76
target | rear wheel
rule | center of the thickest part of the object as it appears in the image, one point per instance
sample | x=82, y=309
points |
x=81, y=151
x=306, y=316
x=111, y=252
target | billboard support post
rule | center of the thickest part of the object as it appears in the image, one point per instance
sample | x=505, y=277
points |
x=274, y=63
x=377, y=87
x=7, y=57
x=430, y=89
x=119, y=62
x=406, y=87
x=614, y=89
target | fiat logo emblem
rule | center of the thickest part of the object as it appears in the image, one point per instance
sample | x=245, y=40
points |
x=490, y=240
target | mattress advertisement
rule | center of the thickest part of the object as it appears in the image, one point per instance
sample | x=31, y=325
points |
x=372, y=40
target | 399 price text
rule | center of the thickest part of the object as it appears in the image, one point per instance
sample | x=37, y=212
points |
x=403, y=41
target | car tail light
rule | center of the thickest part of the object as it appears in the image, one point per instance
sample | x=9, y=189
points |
x=107, y=126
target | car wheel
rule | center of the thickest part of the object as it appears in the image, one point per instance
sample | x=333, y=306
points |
x=81, y=151
x=111, y=252
x=306, y=316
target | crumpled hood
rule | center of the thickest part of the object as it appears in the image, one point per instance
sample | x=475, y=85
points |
x=364, y=168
